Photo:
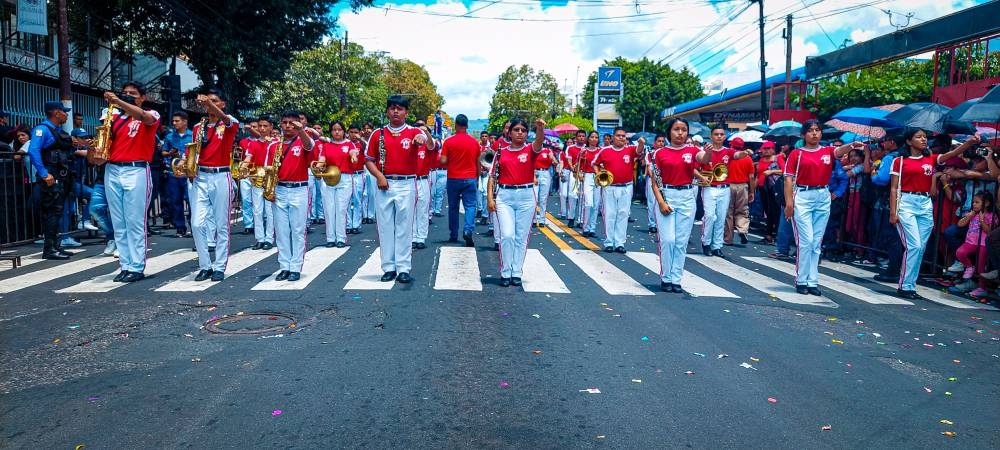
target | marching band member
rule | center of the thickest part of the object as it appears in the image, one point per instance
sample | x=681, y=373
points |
x=675, y=197
x=291, y=196
x=126, y=178
x=246, y=204
x=438, y=179
x=807, y=201
x=651, y=206
x=357, y=178
x=371, y=185
x=501, y=142
x=910, y=206
x=591, y=192
x=543, y=183
x=263, y=210
x=716, y=196
x=512, y=178
x=618, y=159
x=568, y=189
x=212, y=189
x=341, y=153
x=422, y=210
x=392, y=160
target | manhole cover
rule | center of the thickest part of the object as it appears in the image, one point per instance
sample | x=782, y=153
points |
x=251, y=323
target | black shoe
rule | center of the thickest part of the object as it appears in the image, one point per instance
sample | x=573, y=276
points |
x=413, y=245
x=248, y=230
x=571, y=223
x=257, y=246
x=153, y=232
x=620, y=249
x=814, y=290
x=652, y=229
x=743, y=239
x=132, y=277
x=437, y=214
x=421, y=246
x=677, y=289
x=453, y=239
x=118, y=278
x=802, y=289
x=294, y=276
x=534, y=224
x=631, y=220
x=57, y=255
x=331, y=244
x=707, y=250
x=909, y=295
x=282, y=276
x=203, y=275
x=218, y=276
x=211, y=249
x=505, y=282
x=666, y=287
x=389, y=276
x=496, y=246
x=404, y=278
x=609, y=249
x=718, y=253
x=515, y=281
x=267, y=246
x=340, y=244
x=468, y=240
x=883, y=278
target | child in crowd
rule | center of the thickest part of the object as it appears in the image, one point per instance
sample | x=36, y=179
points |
x=980, y=221
x=858, y=169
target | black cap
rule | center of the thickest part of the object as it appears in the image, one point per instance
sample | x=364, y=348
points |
x=461, y=120
x=52, y=106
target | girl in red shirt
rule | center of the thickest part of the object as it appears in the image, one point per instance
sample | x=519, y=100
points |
x=512, y=177
x=343, y=154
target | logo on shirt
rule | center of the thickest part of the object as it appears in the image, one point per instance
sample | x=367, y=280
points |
x=405, y=143
x=928, y=169
x=220, y=131
x=133, y=128
x=627, y=159
x=725, y=159
x=345, y=149
x=297, y=150
x=687, y=158
x=523, y=157
x=421, y=154
x=825, y=159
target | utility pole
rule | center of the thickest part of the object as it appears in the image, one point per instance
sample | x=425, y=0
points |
x=788, y=48
x=343, y=82
x=763, y=65
x=65, y=91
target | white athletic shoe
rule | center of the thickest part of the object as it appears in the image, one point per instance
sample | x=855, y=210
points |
x=89, y=226
x=111, y=249
x=116, y=254
x=69, y=242
x=991, y=275
x=956, y=267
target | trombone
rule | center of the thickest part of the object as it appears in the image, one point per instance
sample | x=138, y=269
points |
x=719, y=173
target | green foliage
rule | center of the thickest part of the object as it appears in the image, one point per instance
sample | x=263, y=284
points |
x=523, y=92
x=649, y=88
x=406, y=77
x=905, y=81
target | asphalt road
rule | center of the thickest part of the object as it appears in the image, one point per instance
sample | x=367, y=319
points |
x=427, y=365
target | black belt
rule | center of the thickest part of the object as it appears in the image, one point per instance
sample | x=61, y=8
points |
x=922, y=194
x=810, y=188
x=421, y=177
x=621, y=184
x=720, y=185
x=293, y=184
x=679, y=187
x=542, y=170
x=213, y=169
x=129, y=163
x=400, y=177
x=358, y=172
x=517, y=186
x=442, y=168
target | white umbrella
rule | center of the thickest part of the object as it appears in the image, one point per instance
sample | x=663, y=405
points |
x=748, y=136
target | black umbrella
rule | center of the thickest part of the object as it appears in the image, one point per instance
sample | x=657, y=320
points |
x=783, y=131
x=987, y=109
x=951, y=122
x=926, y=116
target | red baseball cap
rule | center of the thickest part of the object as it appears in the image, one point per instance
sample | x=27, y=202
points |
x=737, y=143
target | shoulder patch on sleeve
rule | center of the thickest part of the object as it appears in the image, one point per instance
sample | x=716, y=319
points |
x=38, y=132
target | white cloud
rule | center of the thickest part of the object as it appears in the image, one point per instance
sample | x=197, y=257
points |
x=465, y=56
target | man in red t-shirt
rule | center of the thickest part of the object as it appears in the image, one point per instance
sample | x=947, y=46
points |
x=742, y=182
x=460, y=153
x=568, y=185
x=392, y=159
x=619, y=159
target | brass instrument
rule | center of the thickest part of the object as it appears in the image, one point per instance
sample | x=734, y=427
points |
x=256, y=175
x=99, y=153
x=269, y=180
x=486, y=159
x=330, y=175
x=719, y=173
x=188, y=167
x=603, y=177
x=242, y=171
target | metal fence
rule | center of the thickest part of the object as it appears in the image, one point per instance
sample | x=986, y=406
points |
x=25, y=101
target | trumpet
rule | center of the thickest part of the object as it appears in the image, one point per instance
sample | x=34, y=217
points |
x=241, y=171
x=718, y=173
x=486, y=159
x=330, y=175
x=603, y=177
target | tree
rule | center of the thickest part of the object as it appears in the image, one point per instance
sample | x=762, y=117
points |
x=585, y=124
x=410, y=79
x=903, y=81
x=649, y=88
x=523, y=92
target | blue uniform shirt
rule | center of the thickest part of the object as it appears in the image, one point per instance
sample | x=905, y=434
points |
x=883, y=176
x=175, y=141
x=41, y=137
x=838, y=179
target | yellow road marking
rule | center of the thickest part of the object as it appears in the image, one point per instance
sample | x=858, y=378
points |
x=555, y=239
x=586, y=242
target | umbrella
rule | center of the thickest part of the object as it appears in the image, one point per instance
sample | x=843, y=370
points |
x=863, y=121
x=748, y=136
x=926, y=116
x=987, y=109
x=551, y=132
x=951, y=122
x=762, y=127
x=566, y=128
x=699, y=129
x=785, y=128
x=650, y=137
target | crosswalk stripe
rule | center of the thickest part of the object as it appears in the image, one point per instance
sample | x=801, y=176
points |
x=694, y=285
x=51, y=273
x=105, y=283
x=579, y=238
x=849, y=289
x=765, y=284
x=553, y=226
x=458, y=270
x=35, y=258
x=540, y=276
x=237, y=262
x=316, y=261
x=367, y=276
x=933, y=295
x=610, y=278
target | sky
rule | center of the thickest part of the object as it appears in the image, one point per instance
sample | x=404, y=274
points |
x=465, y=45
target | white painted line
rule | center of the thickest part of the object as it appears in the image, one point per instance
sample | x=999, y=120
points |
x=154, y=265
x=458, y=270
x=34, y=258
x=605, y=274
x=553, y=226
x=51, y=273
x=934, y=295
x=316, y=261
x=237, y=262
x=367, y=277
x=539, y=276
x=694, y=285
x=852, y=290
x=783, y=291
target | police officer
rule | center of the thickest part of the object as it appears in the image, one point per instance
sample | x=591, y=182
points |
x=50, y=151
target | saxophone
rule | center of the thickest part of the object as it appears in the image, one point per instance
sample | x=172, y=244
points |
x=270, y=179
x=189, y=166
x=99, y=153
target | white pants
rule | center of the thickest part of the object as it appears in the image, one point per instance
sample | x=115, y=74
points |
x=212, y=192
x=650, y=204
x=481, y=204
x=916, y=221
x=368, y=202
x=542, y=189
x=812, y=211
x=394, y=209
x=592, y=197
x=316, y=195
x=246, y=207
x=674, y=232
x=127, y=190
x=439, y=181
x=515, y=210
x=716, y=202
x=291, y=209
x=357, y=198
x=568, y=197
x=263, y=217
x=336, y=201
x=422, y=210
x=213, y=227
x=617, y=205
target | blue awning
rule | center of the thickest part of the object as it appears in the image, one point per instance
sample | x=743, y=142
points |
x=746, y=89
